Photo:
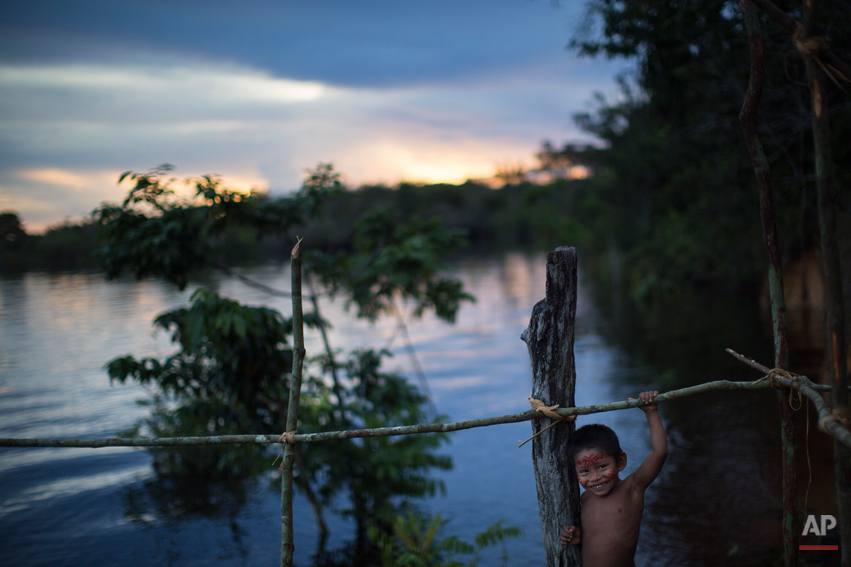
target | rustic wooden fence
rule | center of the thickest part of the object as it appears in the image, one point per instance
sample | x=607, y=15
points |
x=550, y=340
x=820, y=62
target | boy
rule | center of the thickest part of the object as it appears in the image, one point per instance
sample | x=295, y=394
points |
x=611, y=507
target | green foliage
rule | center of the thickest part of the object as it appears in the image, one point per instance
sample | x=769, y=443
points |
x=221, y=384
x=393, y=260
x=375, y=472
x=12, y=242
x=522, y=216
x=156, y=233
x=193, y=481
x=227, y=378
x=674, y=196
x=11, y=229
x=414, y=542
x=232, y=357
x=66, y=246
x=230, y=372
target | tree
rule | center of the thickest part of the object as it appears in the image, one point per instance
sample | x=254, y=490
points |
x=11, y=229
x=229, y=374
x=673, y=170
x=13, y=239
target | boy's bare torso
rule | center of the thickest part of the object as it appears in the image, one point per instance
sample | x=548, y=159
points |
x=610, y=525
x=612, y=508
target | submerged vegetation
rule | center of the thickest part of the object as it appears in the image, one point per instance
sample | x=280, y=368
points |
x=230, y=371
x=416, y=542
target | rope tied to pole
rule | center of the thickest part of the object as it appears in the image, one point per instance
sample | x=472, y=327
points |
x=792, y=392
x=286, y=437
x=773, y=374
x=807, y=45
x=813, y=47
x=548, y=411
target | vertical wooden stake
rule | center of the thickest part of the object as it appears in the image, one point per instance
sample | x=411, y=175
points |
x=747, y=118
x=550, y=340
x=287, y=544
x=834, y=308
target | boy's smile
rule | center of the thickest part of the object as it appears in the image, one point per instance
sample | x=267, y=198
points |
x=597, y=470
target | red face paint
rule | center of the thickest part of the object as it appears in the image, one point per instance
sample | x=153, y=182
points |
x=589, y=461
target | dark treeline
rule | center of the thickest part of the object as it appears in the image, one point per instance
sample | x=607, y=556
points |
x=66, y=246
x=678, y=199
x=652, y=244
x=517, y=216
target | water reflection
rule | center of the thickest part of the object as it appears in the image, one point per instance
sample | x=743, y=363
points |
x=717, y=501
x=63, y=487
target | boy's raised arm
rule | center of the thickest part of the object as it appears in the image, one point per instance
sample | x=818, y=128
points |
x=649, y=469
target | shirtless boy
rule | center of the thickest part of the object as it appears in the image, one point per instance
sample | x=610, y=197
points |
x=611, y=507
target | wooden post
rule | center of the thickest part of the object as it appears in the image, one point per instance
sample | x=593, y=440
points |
x=835, y=310
x=550, y=340
x=748, y=120
x=287, y=543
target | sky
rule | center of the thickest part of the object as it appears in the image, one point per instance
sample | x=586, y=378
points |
x=258, y=91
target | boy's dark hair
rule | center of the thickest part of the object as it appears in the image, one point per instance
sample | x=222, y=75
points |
x=594, y=436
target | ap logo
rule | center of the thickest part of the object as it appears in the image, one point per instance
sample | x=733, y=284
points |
x=827, y=522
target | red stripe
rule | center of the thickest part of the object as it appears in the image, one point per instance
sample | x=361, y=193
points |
x=818, y=548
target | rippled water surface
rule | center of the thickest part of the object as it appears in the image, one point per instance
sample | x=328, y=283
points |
x=716, y=501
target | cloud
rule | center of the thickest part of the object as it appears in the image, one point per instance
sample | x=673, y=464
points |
x=369, y=43
x=44, y=196
x=47, y=195
x=53, y=176
x=385, y=90
x=124, y=93
x=68, y=130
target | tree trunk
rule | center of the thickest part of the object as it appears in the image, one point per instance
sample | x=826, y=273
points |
x=550, y=340
x=835, y=310
x=748, y=120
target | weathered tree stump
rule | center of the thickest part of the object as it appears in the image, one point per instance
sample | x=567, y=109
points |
x=550, y=340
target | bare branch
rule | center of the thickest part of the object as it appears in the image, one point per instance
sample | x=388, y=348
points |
x=827, y=421
x=393, y=431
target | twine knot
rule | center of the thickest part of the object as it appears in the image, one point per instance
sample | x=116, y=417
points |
x=286, y=437
x=773, y=374
x=807, y=45
x=548, y=411
x=813, y=46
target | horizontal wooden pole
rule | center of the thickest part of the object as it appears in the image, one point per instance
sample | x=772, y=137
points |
x=827, y=421
x=392, y=431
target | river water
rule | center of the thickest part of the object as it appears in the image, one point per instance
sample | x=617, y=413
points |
x=716, y=502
